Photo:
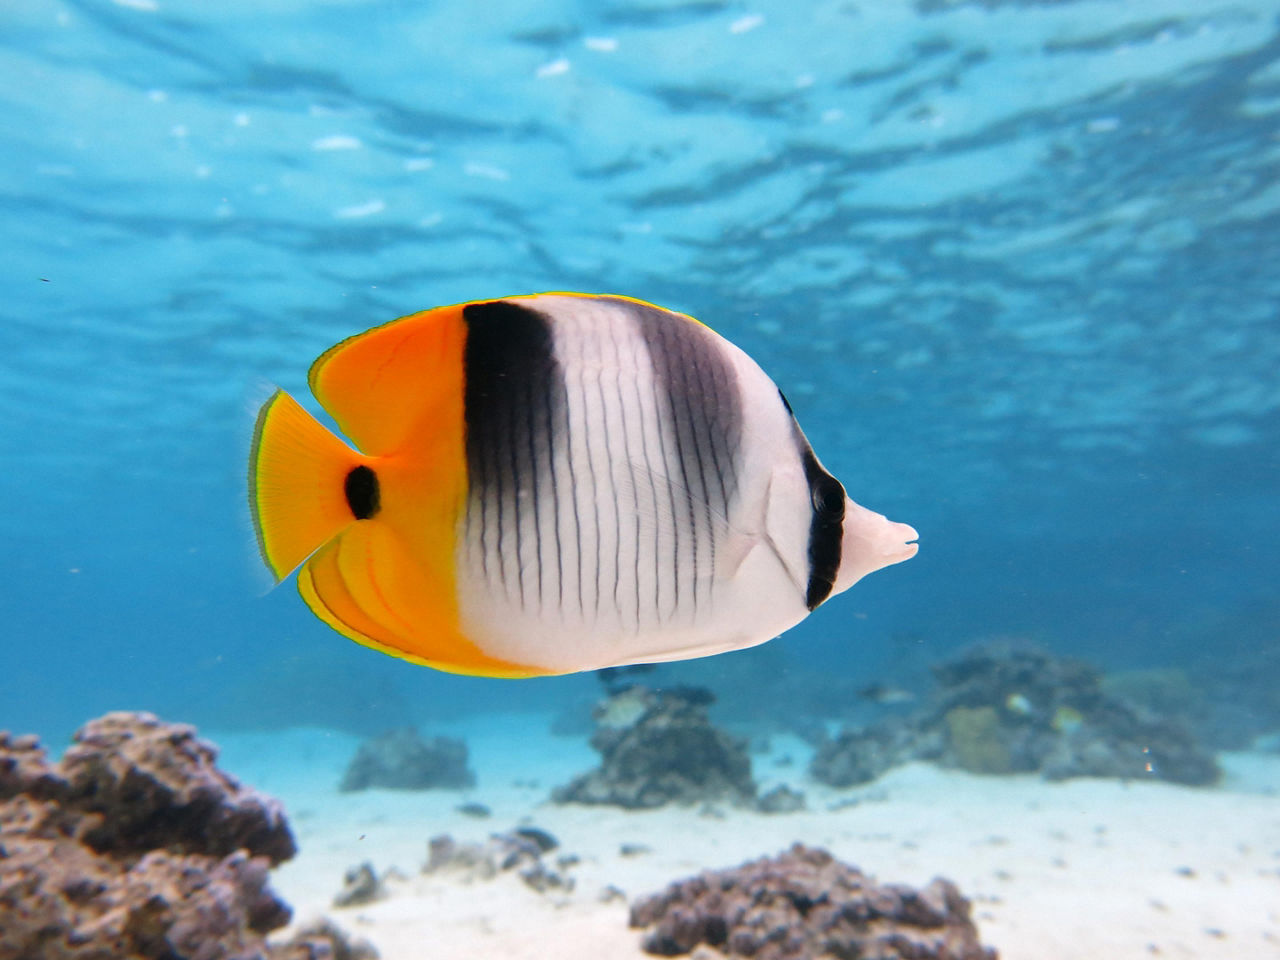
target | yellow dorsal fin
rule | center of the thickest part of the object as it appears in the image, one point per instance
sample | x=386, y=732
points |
x=384, y=386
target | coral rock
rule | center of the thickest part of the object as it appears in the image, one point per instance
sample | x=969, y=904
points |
x=156, y=785
x=855, y=757
x=519, y=852
x=781, y=799
x=24, y=768
x=59, y=900
x=1012, y=708
x=136, y=847
x=976, y=743
x=360, y=885
x=806, y=905
x=402, y=760
x=322, y=940
x=658, y=748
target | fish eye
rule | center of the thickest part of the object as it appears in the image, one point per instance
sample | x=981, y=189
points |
x=828, y=498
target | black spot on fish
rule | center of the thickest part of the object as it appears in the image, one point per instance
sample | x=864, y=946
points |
x=363, y=496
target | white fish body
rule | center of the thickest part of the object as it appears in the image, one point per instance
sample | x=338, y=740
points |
x=640, y=543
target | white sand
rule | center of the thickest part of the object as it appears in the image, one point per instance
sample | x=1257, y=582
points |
x=1083, y=869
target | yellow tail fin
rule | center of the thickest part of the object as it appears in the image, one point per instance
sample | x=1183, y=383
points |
x=297, y=475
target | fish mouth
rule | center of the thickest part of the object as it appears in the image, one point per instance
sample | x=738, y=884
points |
x=872, y=541
x=907, y=548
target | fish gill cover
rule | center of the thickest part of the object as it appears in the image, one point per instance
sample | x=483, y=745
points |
x=1012, y=262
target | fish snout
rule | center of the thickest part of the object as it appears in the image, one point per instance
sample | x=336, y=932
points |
x=871, y=541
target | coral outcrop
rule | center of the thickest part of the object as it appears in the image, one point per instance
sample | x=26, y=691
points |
x=781, y=799
x=1029, y=711
x=659, y=747
x=135, y=846
x=322, y=940
x=519, y=851
x=975, y=738
x=403, y=760
x=806, y=905
x=855, y=756
x=1013, y=708
x=360, y=885
x=156, y=786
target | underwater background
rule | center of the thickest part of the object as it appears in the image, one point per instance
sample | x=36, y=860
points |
x=1014, y=264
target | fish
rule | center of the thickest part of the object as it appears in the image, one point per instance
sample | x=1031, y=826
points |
x=885, y=695
x=551, y=483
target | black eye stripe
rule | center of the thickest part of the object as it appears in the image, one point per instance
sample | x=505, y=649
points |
x=826, y=526
x=826, y=529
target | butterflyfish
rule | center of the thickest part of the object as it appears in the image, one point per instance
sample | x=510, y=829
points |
x=552, y=483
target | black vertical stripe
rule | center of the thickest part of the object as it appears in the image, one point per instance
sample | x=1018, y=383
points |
x=826, y=528
x=700, y=421
x=720, y=495
x=712, y=387
x=826, y=524
x=514, y=481
x=531, y=426
x=493, y=476
x=690, y=461
x=700, y=505
x=512, y=380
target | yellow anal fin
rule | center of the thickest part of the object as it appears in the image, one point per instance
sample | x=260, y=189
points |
x=297, y=471
x=367, y=585
x=382, y=386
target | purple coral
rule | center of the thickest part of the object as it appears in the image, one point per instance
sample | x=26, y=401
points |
x=136, y=847
x=806, y=905
x=156, y=786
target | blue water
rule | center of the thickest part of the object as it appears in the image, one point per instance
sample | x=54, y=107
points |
x=1013, y=263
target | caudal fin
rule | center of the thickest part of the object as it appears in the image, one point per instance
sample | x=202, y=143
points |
x=298, y=479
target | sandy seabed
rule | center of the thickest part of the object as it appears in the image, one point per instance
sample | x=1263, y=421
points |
x=1092, y=869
